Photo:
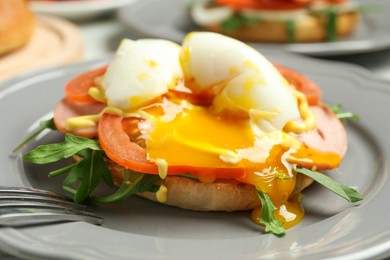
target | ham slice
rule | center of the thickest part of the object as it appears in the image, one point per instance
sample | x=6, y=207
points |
x=329, y=135
x=67, y=108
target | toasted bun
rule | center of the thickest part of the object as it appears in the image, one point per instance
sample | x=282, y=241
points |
x=308, y=29
x=16, y=26
x=218, y=196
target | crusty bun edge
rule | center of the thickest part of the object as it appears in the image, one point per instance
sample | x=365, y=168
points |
x=192, y=194
x=308, y=29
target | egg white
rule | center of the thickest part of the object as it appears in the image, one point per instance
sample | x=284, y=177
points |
x=141, y=71
x=244, y=81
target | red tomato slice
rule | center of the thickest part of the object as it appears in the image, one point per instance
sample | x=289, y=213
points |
x=264, y=4
x=310, y=89
x=118, y=147
x=77, y=88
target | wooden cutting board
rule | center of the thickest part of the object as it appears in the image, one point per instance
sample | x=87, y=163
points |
x=55, y=41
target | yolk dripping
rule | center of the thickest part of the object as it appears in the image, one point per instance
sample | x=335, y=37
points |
x=196, y=136
x=182, y=133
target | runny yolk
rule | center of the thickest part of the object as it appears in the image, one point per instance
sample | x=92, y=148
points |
x=198, y=138
x=187, y=134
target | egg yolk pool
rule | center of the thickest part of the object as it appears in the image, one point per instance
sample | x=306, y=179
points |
x=173, y=131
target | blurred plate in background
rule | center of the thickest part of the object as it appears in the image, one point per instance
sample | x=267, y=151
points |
x=373, y=33
x=78, y=9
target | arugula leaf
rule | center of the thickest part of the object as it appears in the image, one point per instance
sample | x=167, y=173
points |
x=45, y=124
x=88, y=172
x=63, y=170
x=331, y=28
x=343, y=116
x=343, y=191
x=54, y=152
x=236, y=21
x=133, y=182
x=272, y=225
x=291, y=30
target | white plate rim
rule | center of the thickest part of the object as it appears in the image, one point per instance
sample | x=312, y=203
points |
x=78, y=9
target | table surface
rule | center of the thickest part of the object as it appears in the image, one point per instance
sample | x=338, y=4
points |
x=101, y=37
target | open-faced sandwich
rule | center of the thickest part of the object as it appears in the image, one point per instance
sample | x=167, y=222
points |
x=210, y=125
x=277, y=21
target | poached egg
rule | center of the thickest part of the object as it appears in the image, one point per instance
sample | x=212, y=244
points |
x=141, y=71
x=240, y=79
x=239, y=126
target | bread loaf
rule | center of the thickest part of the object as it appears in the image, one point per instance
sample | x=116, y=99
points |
x=17, y=25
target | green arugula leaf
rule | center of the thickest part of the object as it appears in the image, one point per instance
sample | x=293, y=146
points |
x=236, y=21
x=343, y=191
x=87, y=174
x=267, y=218
x=63, y=170
x=73, y=174
x=133, y=182
x=343, y=116
x=54, y=152
x=291, y=30
x=101, y=167
x=45, y=124
x=331, y=25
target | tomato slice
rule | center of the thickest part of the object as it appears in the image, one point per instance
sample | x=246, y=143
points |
x=264, y=4
x=117, y=145
x=77, y=88
x=303, y=84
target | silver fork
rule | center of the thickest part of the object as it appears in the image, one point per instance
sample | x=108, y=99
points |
x=20, y=206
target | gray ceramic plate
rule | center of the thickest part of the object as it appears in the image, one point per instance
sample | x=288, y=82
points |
x=142, y=229
x=170, y=19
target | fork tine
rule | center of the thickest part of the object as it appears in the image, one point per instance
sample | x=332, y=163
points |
x=33, y=191
x=30, y=194
x=25, y=204
x=38, y=198
x=21, y=213
x=43, y=216
x=21, y=206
